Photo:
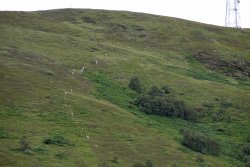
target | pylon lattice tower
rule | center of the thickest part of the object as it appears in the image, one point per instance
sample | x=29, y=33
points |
x=232, y=14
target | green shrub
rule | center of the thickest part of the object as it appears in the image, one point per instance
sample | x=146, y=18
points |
x=182, y=109
x=135, y=84
x=156, y=105
x=200, y=143
x=246, y=158
x=155, y=91
x=246, y=153
x=247, y=164
x=57, y=140
x=246, y=149
x=166, y=106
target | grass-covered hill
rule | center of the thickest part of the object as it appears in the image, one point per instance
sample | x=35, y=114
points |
x=52, y=114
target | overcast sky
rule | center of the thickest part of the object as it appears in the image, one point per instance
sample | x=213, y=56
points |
x=206, y=11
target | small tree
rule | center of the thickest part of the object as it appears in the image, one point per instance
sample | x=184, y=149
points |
x=135, y=84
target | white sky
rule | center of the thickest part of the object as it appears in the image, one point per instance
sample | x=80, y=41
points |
x=206, y=11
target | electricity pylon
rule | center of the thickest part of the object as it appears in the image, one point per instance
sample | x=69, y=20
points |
x=232, y=18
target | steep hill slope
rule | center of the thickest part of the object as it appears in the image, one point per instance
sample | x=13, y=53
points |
x=75, y=118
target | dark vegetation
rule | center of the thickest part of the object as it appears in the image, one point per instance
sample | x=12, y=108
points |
x=230, y=68
x=248, y=137
x=57, y=140
x=135, y=84
x=161, y=102
x=246, y=154
x=200, y=143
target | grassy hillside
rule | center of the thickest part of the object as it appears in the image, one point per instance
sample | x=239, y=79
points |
x=95, y=123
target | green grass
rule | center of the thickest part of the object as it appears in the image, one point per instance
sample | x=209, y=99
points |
x=39, y=50
x=111, y=91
